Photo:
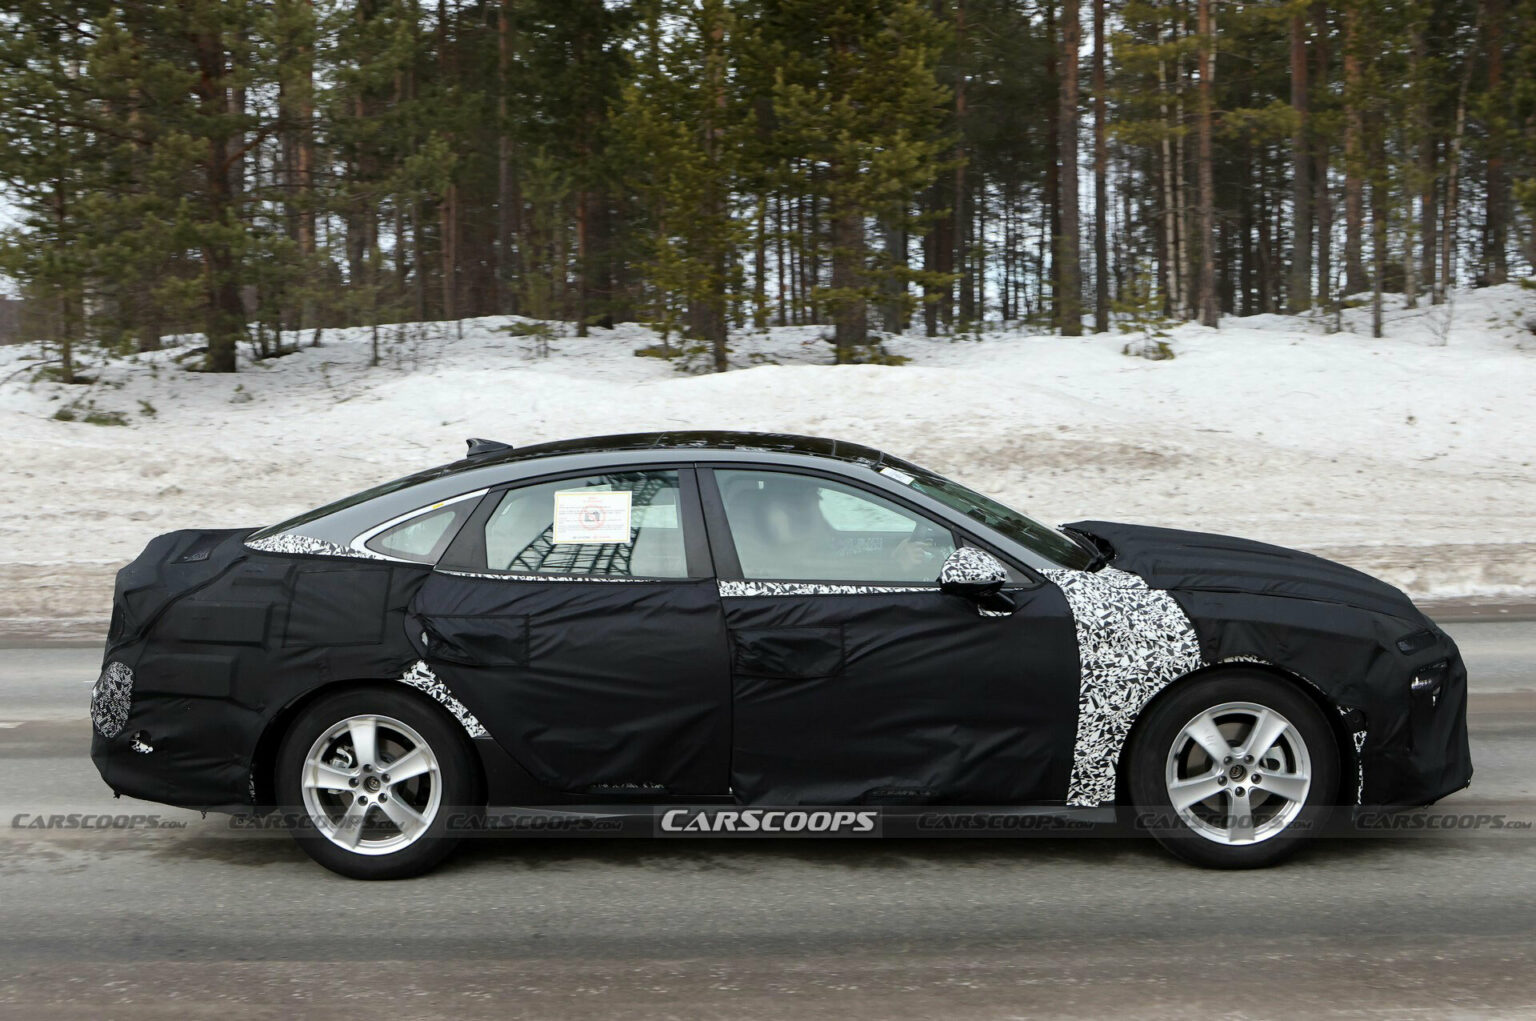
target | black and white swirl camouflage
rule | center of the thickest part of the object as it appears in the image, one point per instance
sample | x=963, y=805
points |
x=1358, y=738
x=111, y=698
x=1133, y=642
x=739, y=589
x=970, y=566
x=421, y=677
x=288, y=542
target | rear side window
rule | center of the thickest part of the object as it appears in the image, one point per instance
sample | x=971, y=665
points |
x=622, y=524
x=423, y=538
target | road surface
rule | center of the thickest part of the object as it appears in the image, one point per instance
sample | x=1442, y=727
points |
x=203, y=922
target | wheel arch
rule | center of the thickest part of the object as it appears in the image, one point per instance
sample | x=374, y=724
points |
x=264, y=759
x=1349, y=759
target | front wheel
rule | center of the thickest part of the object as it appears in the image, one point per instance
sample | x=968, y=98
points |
x=1234, y=770
x=375, y=777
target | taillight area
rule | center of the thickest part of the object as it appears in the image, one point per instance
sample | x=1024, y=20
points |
x=1430, y=679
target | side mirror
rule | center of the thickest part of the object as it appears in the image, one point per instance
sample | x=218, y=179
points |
x=977, y=575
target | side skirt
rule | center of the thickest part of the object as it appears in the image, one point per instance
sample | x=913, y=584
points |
x=705, y=820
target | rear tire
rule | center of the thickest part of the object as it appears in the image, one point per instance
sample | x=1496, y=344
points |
x=374, y=779
x=1205, y=789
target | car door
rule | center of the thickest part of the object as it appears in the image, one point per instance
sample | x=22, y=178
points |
x=577, y=617
x=854, y=678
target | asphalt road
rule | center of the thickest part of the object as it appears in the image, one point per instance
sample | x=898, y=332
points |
x=200, y=921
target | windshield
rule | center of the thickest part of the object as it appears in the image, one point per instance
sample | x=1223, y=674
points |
x=1042, y=539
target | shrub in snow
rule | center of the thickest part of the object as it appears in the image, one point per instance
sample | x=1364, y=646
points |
x=1141, y=314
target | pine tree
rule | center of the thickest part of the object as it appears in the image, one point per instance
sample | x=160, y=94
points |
x=684, y=128
x=861, y=110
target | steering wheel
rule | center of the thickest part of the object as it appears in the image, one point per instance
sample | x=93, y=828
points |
x=919, y=549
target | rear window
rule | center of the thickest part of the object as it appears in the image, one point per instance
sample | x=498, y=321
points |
x=346, y=502
x=423, y=538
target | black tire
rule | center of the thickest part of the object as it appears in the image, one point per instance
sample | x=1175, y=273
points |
x=456, y=774
x=1199, y=833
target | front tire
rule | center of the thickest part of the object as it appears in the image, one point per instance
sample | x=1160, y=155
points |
x=1234, y=770
x=374, y=778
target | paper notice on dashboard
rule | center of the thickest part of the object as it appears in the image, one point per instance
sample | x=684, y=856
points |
x=586, y=515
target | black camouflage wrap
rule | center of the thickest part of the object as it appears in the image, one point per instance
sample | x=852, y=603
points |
x=854, y=697
x=758, y=692
x=221, y=640
x=552, y=666
x=1332, y=628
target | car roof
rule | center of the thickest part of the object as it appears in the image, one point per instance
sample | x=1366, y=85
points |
x=493, y=464
x=691, y=440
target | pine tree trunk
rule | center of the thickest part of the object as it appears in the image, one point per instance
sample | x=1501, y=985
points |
x=893, y=288
x=1245, y=235
x=506, y=189
x=760, y=264
x=1322, y=201
x=1100, y=179
x=224, y=313
x=1496, y=191
x=939, y=256
x=582, y=283
x=1428, y=154
x=1172, y=271
x=1378, y=226
x=715, y=249
x=448, y=213
x=1265, y=257
x=961, y=248
x=1453, y=180
x=849, y=313
x=1210, y=311
x=1299, y=296
x=1355, y=280
x=1069, y=273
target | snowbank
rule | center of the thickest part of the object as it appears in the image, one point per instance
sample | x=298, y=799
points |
x=1409, y=456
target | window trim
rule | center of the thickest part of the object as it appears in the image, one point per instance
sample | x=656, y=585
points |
x=723, y=544
x=360, y=541
x=466, y=554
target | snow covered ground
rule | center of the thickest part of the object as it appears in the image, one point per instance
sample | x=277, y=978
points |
x=1411, y=457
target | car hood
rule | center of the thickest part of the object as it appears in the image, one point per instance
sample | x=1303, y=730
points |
x=1168, y=558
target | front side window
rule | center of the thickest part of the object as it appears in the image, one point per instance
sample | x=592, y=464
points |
x=1049, y=542
x=789, y=527
x=622, y=524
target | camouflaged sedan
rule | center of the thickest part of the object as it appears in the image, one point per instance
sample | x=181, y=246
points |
x=736, y=634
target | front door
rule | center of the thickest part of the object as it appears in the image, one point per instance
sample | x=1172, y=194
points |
x=855, y=679
x=578, y=619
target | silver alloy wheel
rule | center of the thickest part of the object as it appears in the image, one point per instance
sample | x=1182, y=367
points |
x=371, y=785
x=1238, y=773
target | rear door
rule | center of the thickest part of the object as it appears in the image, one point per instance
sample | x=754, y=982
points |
x=854, y=678
x=577, y=617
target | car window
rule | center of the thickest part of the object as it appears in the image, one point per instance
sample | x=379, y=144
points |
x=423, y=538
x=625, y=524
x=1051, y=543
x=789, y=527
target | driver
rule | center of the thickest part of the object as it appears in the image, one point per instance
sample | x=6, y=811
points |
x=792, y=519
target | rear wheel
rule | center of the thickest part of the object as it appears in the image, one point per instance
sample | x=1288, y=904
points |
x=1234, y=770
x=376, y=777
